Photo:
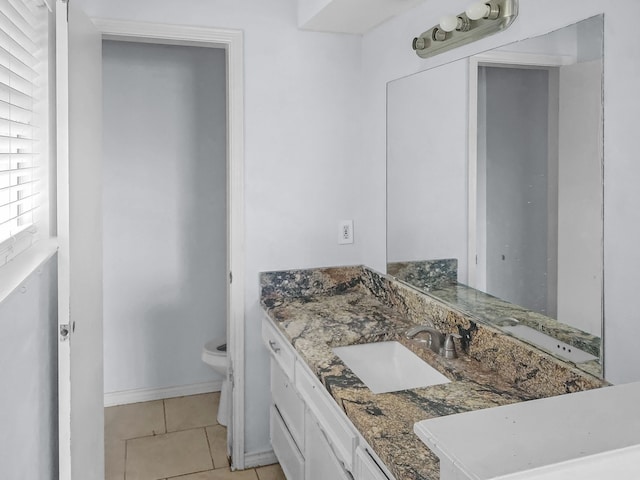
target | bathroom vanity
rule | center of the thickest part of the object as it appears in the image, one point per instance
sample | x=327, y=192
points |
x=311, y=436
x=325, y=421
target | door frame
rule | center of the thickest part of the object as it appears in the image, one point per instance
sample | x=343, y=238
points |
x=232, y=42
x=504, y=59
x=79, y=237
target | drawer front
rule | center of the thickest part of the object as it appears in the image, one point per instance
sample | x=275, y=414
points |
x=290, y=458
x=366, y=468
x=289, y=403
x=334, y=422
x=278, y=347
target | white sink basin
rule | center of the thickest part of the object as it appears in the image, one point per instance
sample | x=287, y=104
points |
x=550, y=344
x=389, y=367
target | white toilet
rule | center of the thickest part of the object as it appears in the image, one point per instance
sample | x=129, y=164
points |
x=214, y=354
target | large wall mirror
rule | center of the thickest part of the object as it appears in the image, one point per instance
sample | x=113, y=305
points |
x=495, y=188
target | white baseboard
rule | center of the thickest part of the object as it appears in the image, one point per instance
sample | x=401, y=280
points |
x=259, y=459
x=147, y=394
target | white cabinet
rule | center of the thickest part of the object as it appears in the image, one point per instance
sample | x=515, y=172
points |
x=285, y=448
x=312, y=438
x=366, y=467
x=322, y=463
x=334, y=422
x=290, y=405
x=279, y=348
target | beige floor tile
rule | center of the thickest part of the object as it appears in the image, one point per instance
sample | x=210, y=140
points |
x=217, y=436
x=134, y=420
x=192, y=411
x=168, y=455
x=114, y=452
x=270, y=472
x=221, y=474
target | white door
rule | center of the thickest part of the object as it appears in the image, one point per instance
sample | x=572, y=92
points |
x=78, y=99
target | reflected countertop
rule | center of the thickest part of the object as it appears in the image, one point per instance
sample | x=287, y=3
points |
x=437, y=278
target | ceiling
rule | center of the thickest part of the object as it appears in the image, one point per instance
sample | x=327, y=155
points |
x=349, y=16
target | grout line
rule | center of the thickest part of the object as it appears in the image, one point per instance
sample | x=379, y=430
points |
x=126, y=447
x=177, y=477
x=164, y=413
x=151, y=435
x=206, y=434
x=154, y=434
x=213, y=464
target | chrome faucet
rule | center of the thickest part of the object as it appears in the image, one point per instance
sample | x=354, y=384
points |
x=440, y=343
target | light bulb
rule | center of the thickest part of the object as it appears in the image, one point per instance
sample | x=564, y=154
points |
x=449, y=23
x=478, y=10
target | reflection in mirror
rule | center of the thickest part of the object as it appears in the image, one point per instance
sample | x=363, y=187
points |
x=494, y=187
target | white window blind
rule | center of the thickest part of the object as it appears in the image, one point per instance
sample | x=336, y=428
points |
x=23, y=106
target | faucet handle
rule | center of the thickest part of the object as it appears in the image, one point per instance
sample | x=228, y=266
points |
x=465, y=341
x=449, y=350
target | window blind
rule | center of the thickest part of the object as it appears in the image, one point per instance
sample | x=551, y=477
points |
x=23, y=98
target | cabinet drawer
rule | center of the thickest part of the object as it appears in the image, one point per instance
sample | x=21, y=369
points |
x=278, y=347
x=290, y=405
x=334, y=422
x=366, y=467
x=290, y=458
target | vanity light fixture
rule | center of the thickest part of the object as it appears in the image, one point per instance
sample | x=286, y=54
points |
x=481, y=19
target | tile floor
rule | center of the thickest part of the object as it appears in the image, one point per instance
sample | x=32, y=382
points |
x=175, y=438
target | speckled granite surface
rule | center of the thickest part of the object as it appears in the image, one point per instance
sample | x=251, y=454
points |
x=436, y=278
x=427, y=274
x=324, y=308
x=494, y=310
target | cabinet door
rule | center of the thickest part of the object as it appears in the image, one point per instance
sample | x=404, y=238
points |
x=321, y=463
x=366, y=468
x=344, y=437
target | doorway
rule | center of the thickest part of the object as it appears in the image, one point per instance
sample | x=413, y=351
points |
x=164, y=217
x=567, y=180
x=229, y=42
x=78, y=98
x=517, y=185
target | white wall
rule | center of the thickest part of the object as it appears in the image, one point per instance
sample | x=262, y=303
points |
x=164, y=213
x=308, y=8
x=309, y=97
x=302, y=158
x=580, y=196
x=28, y=355
x=427, y=158
x=387, y=55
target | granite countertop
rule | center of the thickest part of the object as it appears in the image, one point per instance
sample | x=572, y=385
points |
x=347, y=313
x=584, y=424
x=439, y=279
